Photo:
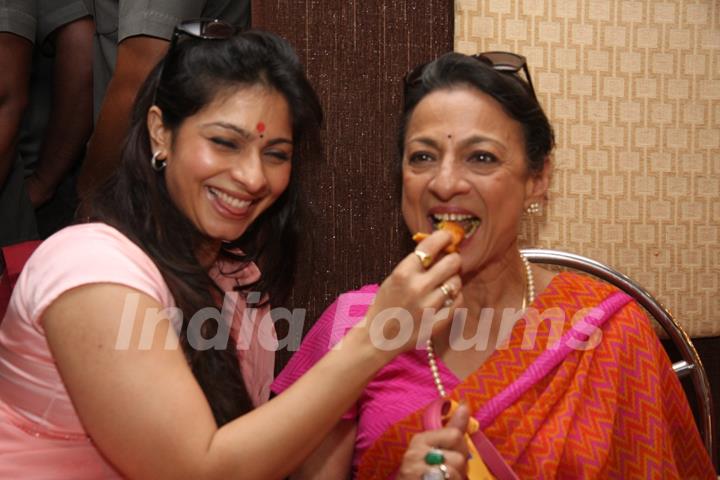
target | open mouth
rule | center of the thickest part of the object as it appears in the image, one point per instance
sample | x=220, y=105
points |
x=469, y=223
x=228, y=202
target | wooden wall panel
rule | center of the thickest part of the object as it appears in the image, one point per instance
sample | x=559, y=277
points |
x=356, y=53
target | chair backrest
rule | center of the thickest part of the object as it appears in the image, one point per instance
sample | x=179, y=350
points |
x=12, y=259
x=690, y=365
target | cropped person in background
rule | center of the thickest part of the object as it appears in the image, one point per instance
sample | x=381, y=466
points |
x=18, y=24
x=553, y=400
x=47, y=137
x=58, y=122
x=132, y=36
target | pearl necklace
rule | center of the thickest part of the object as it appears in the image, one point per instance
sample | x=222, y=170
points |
x=527, y=300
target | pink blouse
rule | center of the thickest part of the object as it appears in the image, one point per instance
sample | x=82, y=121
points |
x=398, y=388
x=41, y=435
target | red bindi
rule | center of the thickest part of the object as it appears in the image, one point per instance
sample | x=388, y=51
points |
x=260, y=127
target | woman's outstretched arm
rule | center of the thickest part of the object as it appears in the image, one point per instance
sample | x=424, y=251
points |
x=143, y=408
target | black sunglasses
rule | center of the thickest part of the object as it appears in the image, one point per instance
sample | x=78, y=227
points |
x=506, y=62
x=205, y=29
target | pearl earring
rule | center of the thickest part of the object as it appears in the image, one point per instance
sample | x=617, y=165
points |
x=533, y=209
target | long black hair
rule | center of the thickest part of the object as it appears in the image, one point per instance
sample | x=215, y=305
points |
x=135, y=199
x=509, y=90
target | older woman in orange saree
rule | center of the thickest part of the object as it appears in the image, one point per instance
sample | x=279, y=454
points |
x=572, y=383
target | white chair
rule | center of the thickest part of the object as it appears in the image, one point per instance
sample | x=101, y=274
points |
x=690, y=365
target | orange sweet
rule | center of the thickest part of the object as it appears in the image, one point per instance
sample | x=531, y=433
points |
x=457, y=232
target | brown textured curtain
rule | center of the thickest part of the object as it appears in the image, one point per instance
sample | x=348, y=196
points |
x=356, y=53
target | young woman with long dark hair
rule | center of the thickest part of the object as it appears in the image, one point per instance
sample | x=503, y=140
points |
x=112, y=362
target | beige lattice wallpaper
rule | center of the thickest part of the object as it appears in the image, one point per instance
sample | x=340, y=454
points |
x=633, y=89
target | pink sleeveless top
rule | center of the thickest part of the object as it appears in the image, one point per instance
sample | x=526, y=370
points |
x=41, y=435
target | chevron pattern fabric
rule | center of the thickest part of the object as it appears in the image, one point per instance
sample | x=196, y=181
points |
x=613, y=411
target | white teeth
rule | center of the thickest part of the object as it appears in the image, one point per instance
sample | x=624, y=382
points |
x=230, y=201
x=469, y=222
x=452, y=217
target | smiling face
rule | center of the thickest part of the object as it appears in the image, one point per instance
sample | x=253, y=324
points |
x=464, y=160
x=229, y=162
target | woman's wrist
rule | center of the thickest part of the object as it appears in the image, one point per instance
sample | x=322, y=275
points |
x=371, y=352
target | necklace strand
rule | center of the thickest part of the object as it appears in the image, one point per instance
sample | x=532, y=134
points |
x=527, y=300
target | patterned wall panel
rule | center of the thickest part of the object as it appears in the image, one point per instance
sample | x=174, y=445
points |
x=633, y=89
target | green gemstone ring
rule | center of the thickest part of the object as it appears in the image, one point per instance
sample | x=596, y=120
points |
x=434, y=457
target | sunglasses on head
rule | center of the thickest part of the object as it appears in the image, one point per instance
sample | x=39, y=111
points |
x=506, y=62
x=204, y=29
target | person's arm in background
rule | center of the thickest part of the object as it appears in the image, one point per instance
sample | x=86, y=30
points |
x=71, y=115
x=15, y=60
x=136, y=57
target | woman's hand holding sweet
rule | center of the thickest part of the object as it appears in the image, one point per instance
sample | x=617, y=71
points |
x=419, y=287
x=440, y=453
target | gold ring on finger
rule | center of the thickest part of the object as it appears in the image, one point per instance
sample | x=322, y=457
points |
x=447, y=290
x=425, y=258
